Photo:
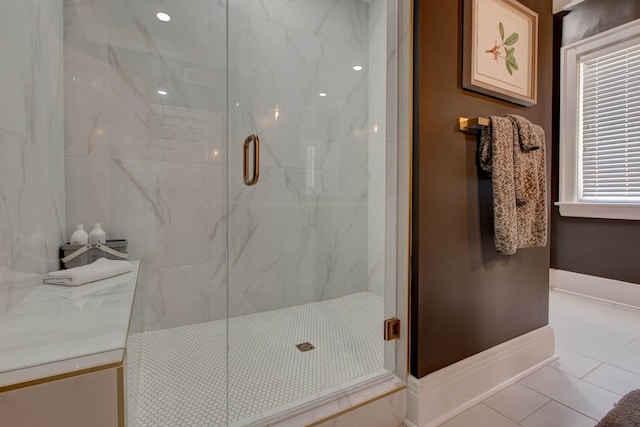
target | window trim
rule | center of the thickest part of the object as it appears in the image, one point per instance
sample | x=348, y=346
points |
x=570, y=59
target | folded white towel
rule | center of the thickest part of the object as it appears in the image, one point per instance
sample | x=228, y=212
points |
x=100, y=269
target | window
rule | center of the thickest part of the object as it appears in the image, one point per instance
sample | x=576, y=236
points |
x=600, y=125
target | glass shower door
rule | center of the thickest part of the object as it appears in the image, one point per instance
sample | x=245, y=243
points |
x=306, y=201
x=146, y=82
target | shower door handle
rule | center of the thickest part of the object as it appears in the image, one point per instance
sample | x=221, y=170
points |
x=256, y=160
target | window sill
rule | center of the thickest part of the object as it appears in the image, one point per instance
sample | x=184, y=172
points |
x=600, y=210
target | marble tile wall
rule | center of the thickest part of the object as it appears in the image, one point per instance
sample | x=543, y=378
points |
x=306, y=226
x=32, y=202
x=154, y=168
x=150, y=167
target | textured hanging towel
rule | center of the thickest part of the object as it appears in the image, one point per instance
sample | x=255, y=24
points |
x=512, y=152
x=100, y=269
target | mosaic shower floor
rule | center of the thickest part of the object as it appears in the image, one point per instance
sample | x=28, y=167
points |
x=183, y=371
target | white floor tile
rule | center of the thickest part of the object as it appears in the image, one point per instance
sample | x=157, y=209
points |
x=599, y=361
x=556, y=296
x=594, y=334
x=554, y=414
x=575, y=393
x=574, y=363
x=516, y=401
x=634, y=346
x=619, y=357
x=576, y=307
x=618, y=318
x=614, y=379
x=480, y=416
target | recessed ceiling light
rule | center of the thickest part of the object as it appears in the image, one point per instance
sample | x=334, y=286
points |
x=357, y=67
x=162, y=92
x=322, y=94
x=164, y=17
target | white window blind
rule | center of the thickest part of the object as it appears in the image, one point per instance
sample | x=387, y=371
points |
x=610, y=127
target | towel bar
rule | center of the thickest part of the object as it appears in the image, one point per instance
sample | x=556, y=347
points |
x=472, y=126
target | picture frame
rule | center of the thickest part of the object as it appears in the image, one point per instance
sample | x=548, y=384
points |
x=500, y=50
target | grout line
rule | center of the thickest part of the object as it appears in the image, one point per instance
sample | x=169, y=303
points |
x=559, y=403
x=587, y=316
x=629, y=343
x=539, y=409
x=564, y=372
x=590, y=357
x=621, y=368
x=575, y=410
x=549, y=400
x=524, y=385
x=579, y=379
x=614, y=367
x=596, y=367
x=512, y=419
x=596, y=326
x=607, y=328
x=497, y=411
x=609, y=390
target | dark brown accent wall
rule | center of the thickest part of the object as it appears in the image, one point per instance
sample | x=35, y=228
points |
x=598, y=247
x=464, y=297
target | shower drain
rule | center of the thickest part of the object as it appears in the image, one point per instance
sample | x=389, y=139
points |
x=305, y=346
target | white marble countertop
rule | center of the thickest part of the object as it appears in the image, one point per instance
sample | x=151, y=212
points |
x=58, y=329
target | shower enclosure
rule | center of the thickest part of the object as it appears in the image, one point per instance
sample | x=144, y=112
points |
x=246, y=150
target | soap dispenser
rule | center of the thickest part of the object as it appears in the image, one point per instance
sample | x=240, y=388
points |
x=97, y=235
x=79, y=237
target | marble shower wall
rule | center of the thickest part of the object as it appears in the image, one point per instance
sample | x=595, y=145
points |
x=154, y=168
x=301, y=234
x=32, y=203
x=150, y=167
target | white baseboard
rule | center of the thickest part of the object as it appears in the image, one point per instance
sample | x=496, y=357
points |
x=610, y=290
x=443, y=394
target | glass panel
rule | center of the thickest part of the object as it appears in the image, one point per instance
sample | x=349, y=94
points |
x=307, y=255
x=162, y=160
x=147, y=107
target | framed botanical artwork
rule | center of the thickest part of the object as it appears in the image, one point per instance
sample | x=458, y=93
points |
x=500, y=49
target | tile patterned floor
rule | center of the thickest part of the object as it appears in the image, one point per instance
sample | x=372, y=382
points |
x=598, y=345
x=183, y=371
